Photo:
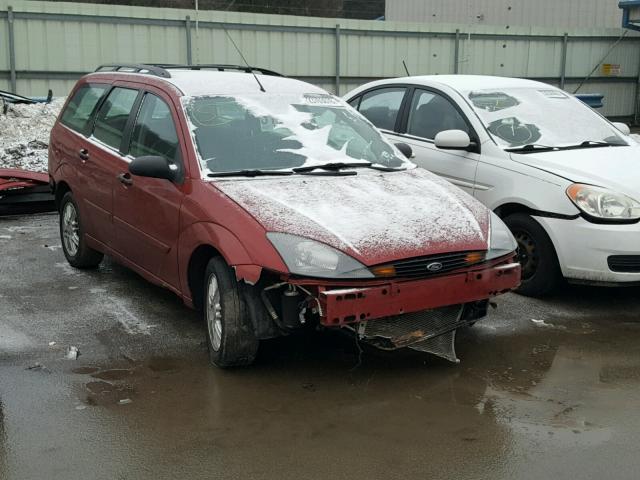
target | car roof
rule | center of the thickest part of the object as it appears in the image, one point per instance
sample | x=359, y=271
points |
x=464, y=83
x=213, y=82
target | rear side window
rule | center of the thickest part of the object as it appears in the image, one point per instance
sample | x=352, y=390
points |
x=381, y=106
x=154, y=132
x=81, y=106
x=113, y=115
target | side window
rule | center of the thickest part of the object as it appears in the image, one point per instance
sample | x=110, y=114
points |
x=81, y=106
x=113, y=115
x=355, y=102
x=154, y=132
x=432, y=113
x=381, y=106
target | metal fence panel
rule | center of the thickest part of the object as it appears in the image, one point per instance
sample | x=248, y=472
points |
x=55, y=42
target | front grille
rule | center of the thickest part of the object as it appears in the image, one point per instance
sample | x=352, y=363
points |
x=624, y=263
x=418, y=267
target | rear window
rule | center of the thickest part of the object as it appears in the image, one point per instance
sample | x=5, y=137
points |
x=113, y=116
x=81, y=106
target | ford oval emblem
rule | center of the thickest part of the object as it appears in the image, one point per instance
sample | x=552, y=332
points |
x=434, y=266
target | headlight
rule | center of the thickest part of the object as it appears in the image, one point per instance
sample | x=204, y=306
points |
x=603, y=204
x=501, y=241
x=304, y=256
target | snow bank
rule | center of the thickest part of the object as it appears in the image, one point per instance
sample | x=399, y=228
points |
x=24, y=135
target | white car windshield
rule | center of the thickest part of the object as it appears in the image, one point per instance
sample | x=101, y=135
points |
x=281, y=132
x=549, y=117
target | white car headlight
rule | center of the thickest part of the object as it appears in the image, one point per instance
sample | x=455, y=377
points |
x=304, y=256
x=602, y=204
x=501, y=241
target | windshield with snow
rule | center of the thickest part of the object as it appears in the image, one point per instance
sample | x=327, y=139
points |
x=516, y=117
x=281, y=132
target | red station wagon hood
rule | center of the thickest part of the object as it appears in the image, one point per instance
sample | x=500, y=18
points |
x=374, y=217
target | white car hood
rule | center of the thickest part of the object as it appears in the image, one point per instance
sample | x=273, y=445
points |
x=617, y=168
x=374, y=217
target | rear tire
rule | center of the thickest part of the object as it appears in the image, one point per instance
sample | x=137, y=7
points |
x=74, y=245
x=541, y=272
x=231, y=337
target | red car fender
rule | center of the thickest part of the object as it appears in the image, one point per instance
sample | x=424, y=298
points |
x=224, y=241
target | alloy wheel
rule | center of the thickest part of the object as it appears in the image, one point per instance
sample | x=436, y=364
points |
x=214, y=312
x=527, y=253
x=70, y=229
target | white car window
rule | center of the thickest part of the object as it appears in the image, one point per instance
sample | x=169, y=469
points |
x=545, y=116
x=381, y=106
x=431, y=114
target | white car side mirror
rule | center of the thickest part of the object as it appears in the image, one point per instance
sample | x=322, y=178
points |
x=623, y=127
x=453, y=140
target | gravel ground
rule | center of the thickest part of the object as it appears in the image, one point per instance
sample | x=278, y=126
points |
x=545, y=388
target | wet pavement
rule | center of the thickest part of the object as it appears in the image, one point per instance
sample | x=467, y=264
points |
x=546, y=389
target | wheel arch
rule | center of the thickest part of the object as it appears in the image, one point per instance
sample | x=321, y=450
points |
x=62, y=188
x=195, y=271
x=510, y=208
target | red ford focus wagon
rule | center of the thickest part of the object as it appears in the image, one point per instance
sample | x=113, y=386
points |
x=270, y=204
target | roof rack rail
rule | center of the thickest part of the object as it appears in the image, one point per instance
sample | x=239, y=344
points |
x=134, y=68
x=219, y=67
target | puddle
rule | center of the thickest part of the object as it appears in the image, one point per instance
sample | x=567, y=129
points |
x=85, y=370
x=163, y=364
x=114, y=374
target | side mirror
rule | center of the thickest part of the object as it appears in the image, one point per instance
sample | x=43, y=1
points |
x=623, y=127
x=454, y=140
x=154, y=167
x=406, y=149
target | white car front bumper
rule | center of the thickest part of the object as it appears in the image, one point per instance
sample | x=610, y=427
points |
x=583, y=248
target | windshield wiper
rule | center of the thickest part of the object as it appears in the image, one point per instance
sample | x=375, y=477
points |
x=331, y=166
x=249, y=173
x=531, y=147
x=594, y=144
x=334, y=167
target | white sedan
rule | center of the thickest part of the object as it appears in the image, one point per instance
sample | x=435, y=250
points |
x=562, y=177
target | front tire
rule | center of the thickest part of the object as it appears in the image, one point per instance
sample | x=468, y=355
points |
x=230, y=334
x=541, y=272
x=74, y=246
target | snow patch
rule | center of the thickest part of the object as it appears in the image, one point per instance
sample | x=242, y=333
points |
x=131, y=323
x=374, y=214
x=25, y=131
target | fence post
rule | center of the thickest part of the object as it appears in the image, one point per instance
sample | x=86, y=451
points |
x=187, y=24
x=456, y=52
x=12, y=50
x=338, y=59
x=563, y=61
x=636, y=109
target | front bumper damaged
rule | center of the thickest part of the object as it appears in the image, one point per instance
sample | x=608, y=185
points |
x=420, y=314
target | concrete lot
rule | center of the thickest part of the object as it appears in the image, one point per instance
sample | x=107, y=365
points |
x=546, y=389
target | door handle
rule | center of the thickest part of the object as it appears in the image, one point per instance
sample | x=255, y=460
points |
x=83, y=154
x=125, y=179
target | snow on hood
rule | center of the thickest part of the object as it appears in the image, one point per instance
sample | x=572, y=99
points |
x=24, y=135
x=617, y=168
x=374, y=217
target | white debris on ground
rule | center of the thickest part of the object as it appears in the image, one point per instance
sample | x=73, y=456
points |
x=24, y=135
x=72, y=353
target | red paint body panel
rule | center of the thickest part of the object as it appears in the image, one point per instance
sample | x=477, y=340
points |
x=348, y=305
x=11, y=178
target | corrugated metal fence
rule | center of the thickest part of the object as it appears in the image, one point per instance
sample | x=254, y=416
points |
x=50, y=44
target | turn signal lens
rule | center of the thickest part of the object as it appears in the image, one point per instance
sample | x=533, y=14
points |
x=474, y=257
x=384, y=271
